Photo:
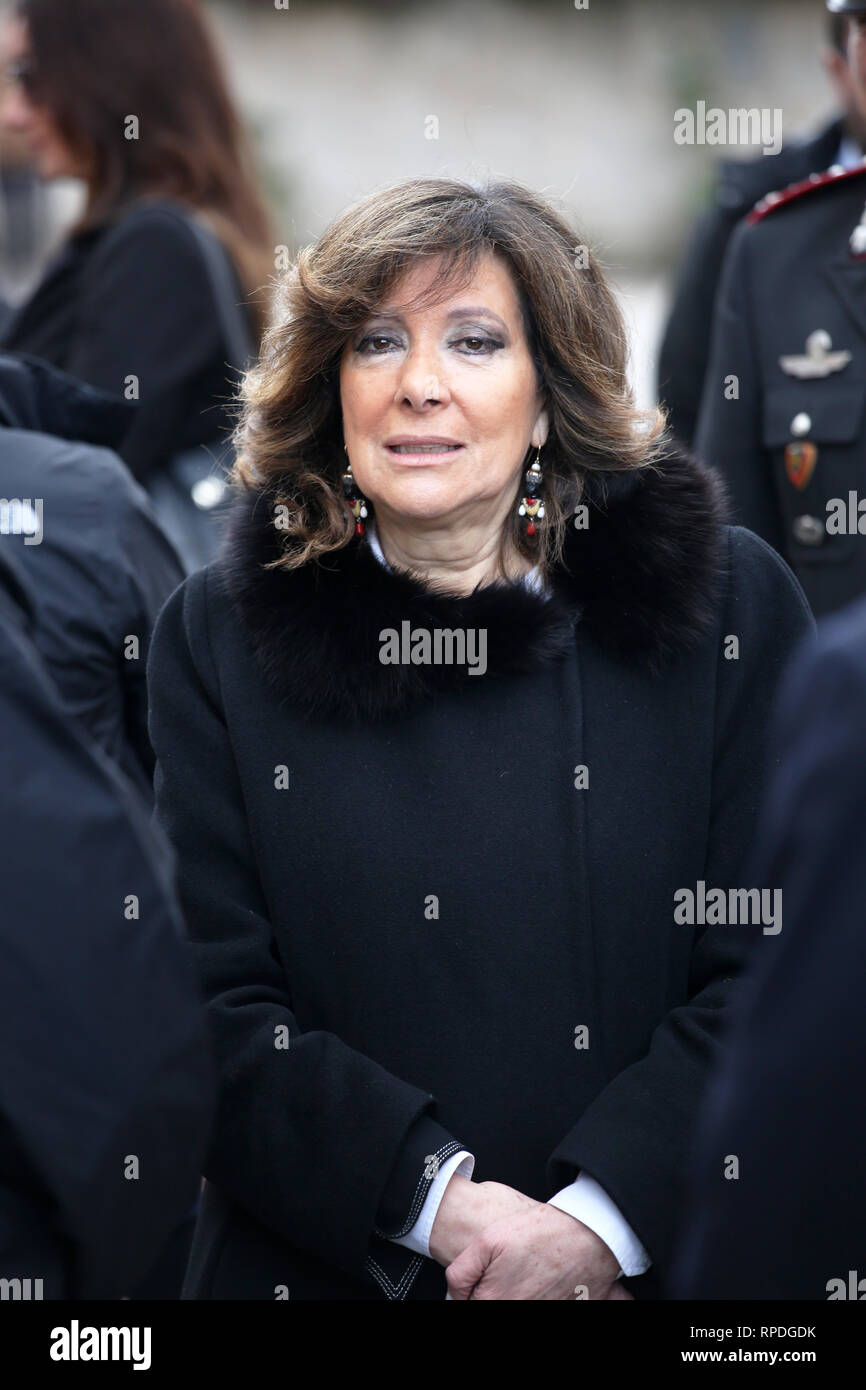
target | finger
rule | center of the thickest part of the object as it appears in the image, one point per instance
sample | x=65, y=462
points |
x=464, y=1273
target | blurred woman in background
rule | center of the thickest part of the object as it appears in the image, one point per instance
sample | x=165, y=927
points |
x=132, y=100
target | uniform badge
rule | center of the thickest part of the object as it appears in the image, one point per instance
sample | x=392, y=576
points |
x=800, y=460
x=818, y=359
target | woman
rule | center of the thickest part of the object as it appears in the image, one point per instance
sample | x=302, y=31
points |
x=131, y=99
x=434, y=902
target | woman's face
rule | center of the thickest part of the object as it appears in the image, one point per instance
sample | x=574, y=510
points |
x=441, y=403
x=22, y=115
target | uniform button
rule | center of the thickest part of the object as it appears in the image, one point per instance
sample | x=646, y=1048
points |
x=801, y=424
x=808, y=530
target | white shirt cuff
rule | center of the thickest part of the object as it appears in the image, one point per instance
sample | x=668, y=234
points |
x=586, y=1200
x=418, y=1237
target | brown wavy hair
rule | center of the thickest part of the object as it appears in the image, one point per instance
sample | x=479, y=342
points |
x=95, y=62
x=289, y=438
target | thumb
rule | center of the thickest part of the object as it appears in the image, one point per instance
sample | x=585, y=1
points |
x=464, y=1272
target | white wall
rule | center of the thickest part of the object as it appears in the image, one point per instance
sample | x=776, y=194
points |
x=577, y=103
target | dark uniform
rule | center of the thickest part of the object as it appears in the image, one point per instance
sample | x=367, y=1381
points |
x=685, y=347
x=783, y=415
x=783, y=1094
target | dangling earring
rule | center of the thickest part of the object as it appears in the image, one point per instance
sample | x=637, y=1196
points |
x=531, y=505
x=357, y=504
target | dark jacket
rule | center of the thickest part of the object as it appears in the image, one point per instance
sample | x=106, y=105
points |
x=105, y=1053
x=685, y=348
x=789, y=274
x=786, y=1098
x=131, y=297
x=395, y=864
x=102, y=569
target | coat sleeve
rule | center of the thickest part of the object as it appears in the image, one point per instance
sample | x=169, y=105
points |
x=308, y=1135
x=101, y=1021
x=148, y=311
x=634, y=1137
x=729, y=432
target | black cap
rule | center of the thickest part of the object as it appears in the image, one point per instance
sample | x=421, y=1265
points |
x=846, y=6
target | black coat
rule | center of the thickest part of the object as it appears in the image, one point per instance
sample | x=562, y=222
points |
x=787, y=1097
x=102, y=569
x=132, y=297
x=789, y=274
x=102, y=1035
x=685, y=347
x=430, y=906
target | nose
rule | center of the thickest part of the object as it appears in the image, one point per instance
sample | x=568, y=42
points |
x=422, y=380
x=16, y=112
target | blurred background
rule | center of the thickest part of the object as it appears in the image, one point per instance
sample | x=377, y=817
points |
x=576, y=102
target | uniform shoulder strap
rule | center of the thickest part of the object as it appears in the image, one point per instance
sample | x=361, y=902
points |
x=803, y=188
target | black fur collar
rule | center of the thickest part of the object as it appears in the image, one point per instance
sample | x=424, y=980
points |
x=641, y=579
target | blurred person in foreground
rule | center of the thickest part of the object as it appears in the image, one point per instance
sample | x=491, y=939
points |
x=783, y=415
x=439, y=739
x=129, y=294
x=685, y=347
x=785, y=1101
x=84, y=539
x=106, y=1087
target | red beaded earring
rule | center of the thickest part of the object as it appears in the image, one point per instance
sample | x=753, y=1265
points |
x=531, y=505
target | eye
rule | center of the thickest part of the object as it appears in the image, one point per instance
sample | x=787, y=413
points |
x=478, y=346
x=375, y=344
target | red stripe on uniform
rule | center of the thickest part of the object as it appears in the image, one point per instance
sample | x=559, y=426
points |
x=773, y=201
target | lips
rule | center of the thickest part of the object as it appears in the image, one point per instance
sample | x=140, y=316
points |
x=422, y=448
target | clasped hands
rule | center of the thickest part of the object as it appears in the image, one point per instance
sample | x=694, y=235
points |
x=497, y=1243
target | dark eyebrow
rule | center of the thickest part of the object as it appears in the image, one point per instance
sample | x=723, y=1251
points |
x=464, y=312
x=476, y=311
